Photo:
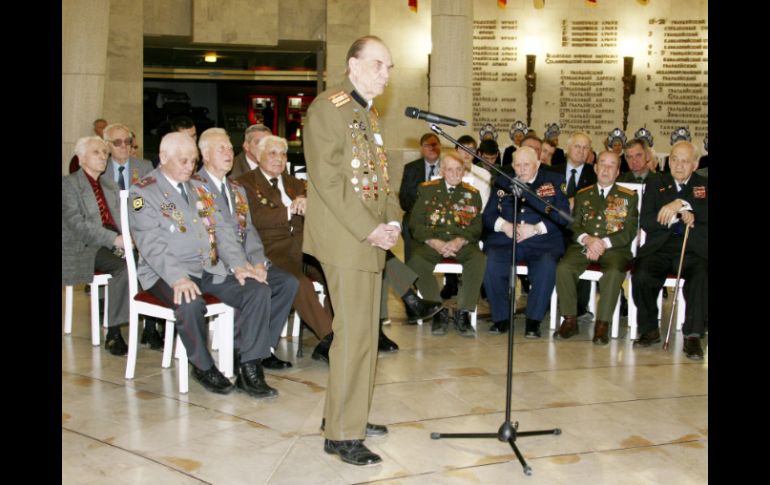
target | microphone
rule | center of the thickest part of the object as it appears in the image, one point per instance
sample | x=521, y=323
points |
x=432, y=117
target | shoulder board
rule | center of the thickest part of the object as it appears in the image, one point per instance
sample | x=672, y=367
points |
x=585, y=189
x=339, y=98
x=625, y=190
x=469, y=187
x=198, y=178
x=148, y=180
x=431, y=183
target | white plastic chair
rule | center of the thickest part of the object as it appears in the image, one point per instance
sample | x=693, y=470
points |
x=296, y=322
x=144, y=303
x=99, y=280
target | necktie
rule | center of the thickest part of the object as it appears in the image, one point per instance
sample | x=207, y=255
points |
x=639, y=180
x=180, y=185
x=121, y=182
x=601, y=193
x=274, y=182
x=571, y=184
x=679, y=225
x=451, y=190
x=224, y=194
x=430, y=174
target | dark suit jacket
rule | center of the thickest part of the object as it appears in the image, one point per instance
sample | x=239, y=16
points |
x=414, y=175
x=508, y=155
x=240, y=166
x=662, y=190
x=587, y=176
x=281, y=237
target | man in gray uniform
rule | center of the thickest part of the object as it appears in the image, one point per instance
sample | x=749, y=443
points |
x=175, y=224
x=230, y=197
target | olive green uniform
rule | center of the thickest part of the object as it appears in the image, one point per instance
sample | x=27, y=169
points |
x=348, y=196
x=439, y=214
x=614, y=217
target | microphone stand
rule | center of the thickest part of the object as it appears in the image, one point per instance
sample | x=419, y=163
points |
x=508, y=431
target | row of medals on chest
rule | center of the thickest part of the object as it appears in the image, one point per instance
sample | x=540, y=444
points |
x=370, y=182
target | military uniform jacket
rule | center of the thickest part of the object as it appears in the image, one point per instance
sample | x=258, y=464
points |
x=662, y=190
x=548, y=185
x=239, y=219
x=614, y=216
x=176, y=239
x=136, y=170
x=281, y=236
x=437, y=214
x=348, y=186
x=82, y=233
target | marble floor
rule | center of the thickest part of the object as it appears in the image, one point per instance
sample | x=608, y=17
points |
x=630, y=416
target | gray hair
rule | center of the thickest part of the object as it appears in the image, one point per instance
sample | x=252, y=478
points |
x=259, y=127
x=695, y=155
x=262, y=146
x=205, y=138
x=82, y=143
x=579, y=133
x=115, y=126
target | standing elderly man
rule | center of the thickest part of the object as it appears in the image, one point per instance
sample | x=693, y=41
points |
x=188, y=249
x=446, y=223
x=248, y=159
x=217, y=152
x=90, y=234
x=606, y=216
x=538, y=236
x=277, y=202
x=351, y=221
x=670, y=202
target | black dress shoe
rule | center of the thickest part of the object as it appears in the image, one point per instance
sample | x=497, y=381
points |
x=419, y=309
x=251, y=380
x=384, y=344
x=440, y=322
x=115, y=344
x=532, y=329
x=352, y=451
x=648, y=338
x=321, y=351
x=275, y=363
x=500, y=327
x=448, y=291
x=372, y=430
x=151, y=336
x=463, y=323
x=212, y=380
x=692, y=348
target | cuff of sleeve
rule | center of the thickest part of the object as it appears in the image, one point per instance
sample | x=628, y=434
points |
x=541, y=228
x=607, y=242
x=395, y=223
x=685, y=206
x=499, y=224
x=580, y=238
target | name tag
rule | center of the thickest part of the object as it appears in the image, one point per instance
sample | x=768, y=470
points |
x=378, y=139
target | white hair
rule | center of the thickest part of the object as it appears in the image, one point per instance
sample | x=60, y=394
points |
x=82, y=143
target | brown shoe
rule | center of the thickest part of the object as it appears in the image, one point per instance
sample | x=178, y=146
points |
x=601, y=333
x=568, y=328
x=648, y=338
x=692, y=348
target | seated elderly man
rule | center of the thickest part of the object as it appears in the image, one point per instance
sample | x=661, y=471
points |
x=187, y=249
x=670, y=202
x=605, y=224
x=539, y=240
x=217, y=153
x=446, y=223
x=90, y=234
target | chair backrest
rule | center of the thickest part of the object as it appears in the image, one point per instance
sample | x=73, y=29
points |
x=639, y=189
x=128, y=242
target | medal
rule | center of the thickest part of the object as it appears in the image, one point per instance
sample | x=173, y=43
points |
x=355, y=163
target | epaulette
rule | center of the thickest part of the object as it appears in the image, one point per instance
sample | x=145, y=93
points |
x=339, y=98
x=584, y=189
x=198, y=178
x=431, y=182
x=470, y=188
x=626, y=190
x=144, y=182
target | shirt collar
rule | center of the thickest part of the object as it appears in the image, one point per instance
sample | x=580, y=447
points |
x=450, y=186
x=607, y=189
x=215, y=179
x=360, y=100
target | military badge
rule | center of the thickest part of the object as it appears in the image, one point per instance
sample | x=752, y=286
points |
x=699, y=192
x=501, y=193
x=546, y=190
x=138, y=203
x=355, y=163
x=563, y=188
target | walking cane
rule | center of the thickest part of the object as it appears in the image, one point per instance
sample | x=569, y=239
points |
x=676, y=288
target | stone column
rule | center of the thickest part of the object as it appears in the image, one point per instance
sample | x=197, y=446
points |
x=85, y=25
x=346, y=21
x=451, y=62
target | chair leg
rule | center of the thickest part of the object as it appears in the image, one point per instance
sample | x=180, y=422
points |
x=660, y=305
x=474, y=315
x=105, y=324
x=68, y=310
x=680, y=311
x=592, y=299
x=419, y=322
x=95, y=315
x=631, y=312
x=301, y=335
x=554, y=309
x=168, y=344
x=133, y=343
x=616, y=318
x=225, y=330
x=182, y=366
x=285, y=330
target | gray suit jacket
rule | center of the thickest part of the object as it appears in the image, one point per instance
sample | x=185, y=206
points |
x=239, y=219
x=171, y=235
x=82, y=233
x=136, y=169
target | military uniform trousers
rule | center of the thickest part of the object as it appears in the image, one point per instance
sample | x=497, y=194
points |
x=398, y=276
x=541, y=267
x=613, y=264
x=424, y=260
x=105, y=261
x=650, y=273
x=355, y=297
x=260, y=313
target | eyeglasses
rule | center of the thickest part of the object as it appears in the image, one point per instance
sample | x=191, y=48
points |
x=430, y=145
x=119, y=143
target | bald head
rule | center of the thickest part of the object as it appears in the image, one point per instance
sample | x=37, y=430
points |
x=178, y=155
x=525, y=163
